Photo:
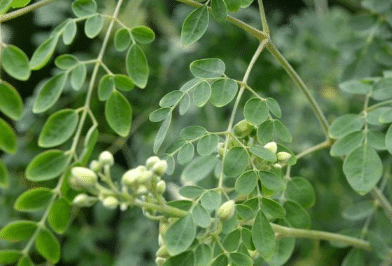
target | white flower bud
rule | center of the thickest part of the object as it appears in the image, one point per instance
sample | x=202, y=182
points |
x=85, y=177
x=161, y=186
x=83, y=200
x=95, y=166
x=226, y=210
x=272, y=147
x=110, y=202
x=283, y=156
x=142, y=190
x=130, y=177
x=106, y=158
x=144, y=177
x=151, y=161
x=277, y=166
x=123, y=206
x=160, y=168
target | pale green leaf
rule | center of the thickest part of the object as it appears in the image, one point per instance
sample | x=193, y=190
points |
x=191, y=191
x=186, y=153
x=170, y=99
x=272, y=209
x=356, y=87
x=122, y=39
x=66, y=61
x=345, y=125
x=246, y=183
x=159, y=114
x=180, y=235
x=184, y=104
x=161, y=134
x=263, y=153
x=219, y=10
x=83, y=8
x=78, y=76
x=105, y=87
x=201, y=93
x=69, y=33
x=201, y=217
x=93, y=26
x=123, y=82
x=192, y=132
x=296, y=215
x=207, y=144
x=208, y=68
x=347, y=144
x=211, y=200
x=59, y=216
x=272, y=181
x=301, y=190
x=199, y=168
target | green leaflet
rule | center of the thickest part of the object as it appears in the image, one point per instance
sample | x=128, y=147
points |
x=33, y=199
x=83, y=8
x=363, y=169
x=199, y=168
x=9, y=256
x=345, y=125
x=201, y=216
x=105, y=87
x=201, y=93
x=18, y=230
x=180, y=235
x=208, y=68
x=263, y=236
x=195, y=25
x=137, y=66
x=11, y=103
x=161, y=134
x=211, y=200
x=78, y=76
x=59, y=127
x=235, y=162
x=48, y=245
x=122, y=39
x=43, y=53
x=93, y=26
x=4, y=176
x=50, y=93
x=15, y=63
x=69, y=32
x=59, y=216
x=301, y=190
x=46, y=165
x=207, y=144
x=7, y=138
x=296, y=215
x=219, y=10
x=223, y=92
x=256, y=111
x=66, y=61
x=118, y=113
x=246, y=183
x=143, y=34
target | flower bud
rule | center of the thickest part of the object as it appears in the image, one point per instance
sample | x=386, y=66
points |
x=73, y=183
x=123, y=206
x=83, y=200
x=161, y=186
x=160, y=168
x=242, y=129
x=142, y=190
x=151, y=161
x=272, y=147
x=110, y=202
x=144, y=177
x=85, y=177
x=95, y=166
x=226, y=210
x=106, y=158
x=162, y=252
x=277, y=166
x=283, y=156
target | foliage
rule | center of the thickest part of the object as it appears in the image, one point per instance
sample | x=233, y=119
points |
x=242, y=174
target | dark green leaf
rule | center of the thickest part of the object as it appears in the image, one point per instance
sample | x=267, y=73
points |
x=223, y=92
x=46, y=165
x=93, y=26
x=219, y=10
x=43, y=53
x=241, y=259
x=354, y=258
x=143, y=34
x=66, y=61
x=246, y=183
x=272, y=181
x=232, y=240
x=233, y=5
x=300, y=190
x=50, y=93
x=184, y=259
x=282, y=132
x=15, y=63
x=235, y=162
x=18, y=230
x=265, y=132
x=59, y=216
x=195, y=25
x=244, y=212
x=118, y=113
x=274, y=107
x=256, y=111
x=203, y=255
x=4, y=176
x=284, y=250
x=296, y=215
x=25, y=261
x=363, y=169
x=106, y=87
x=9, y=256
x=33, y=199
x=220, y=261
x=59, y=127
x=123, y=82
x=272, y=209
x=180, y=235
x=122, y=39
x=263, y=236
x=137, y=67
x=11, y=103
x=208, y=68
x=388, y=139
x=48, y=246
x=7, y=138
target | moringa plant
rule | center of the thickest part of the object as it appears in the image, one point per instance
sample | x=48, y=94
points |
x=240, y=192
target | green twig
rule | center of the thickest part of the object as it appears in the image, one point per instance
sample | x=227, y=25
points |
x=25, y=10
x=317, y=147
x=263, y=18
x=383, y=201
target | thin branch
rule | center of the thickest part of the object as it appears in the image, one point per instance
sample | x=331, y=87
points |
x=321, y=7
x=317, y=147
x=263, y=17
x=25, y=10
x=383, y=201
x=297, y=79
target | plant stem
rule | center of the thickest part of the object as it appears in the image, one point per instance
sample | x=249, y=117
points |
x=383, y=201
x=25, y=10
x=375, y=106
x=321, y=7
x=298, y=81
x=263, y=18
x=317, y=147
x=313, y=234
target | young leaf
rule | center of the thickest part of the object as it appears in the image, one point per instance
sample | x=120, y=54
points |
x=66, y=61
x=83, y=8
x=207, y=144
x=78, y=76
x=211, y=200
x=20, y=3
x=105, y=87
x=143, y=34
x=223, y=92
x=208, y=68
x=256, y=111
x=272, y=181
x=201, y=217
x=58, y=128
x=122, y=39
x=43, y=53
x=33, y=199
x=18, y=230
x=46, y=165
x=199, y=168
x=246, y=183
x=7, y=138
x=195, y=25
x=59, y=216
x=219, y=10
x=118, y=113
x=69, y=33
x=296, y=215
x=235, y=162
x=300, y=190
x=48, y=246
x=4, y=176
x=93, y=26
x=50, y=93
x=159, y=114
x=184, y=104
x=123, y=82
x=161, y=134
x=345, y=125
x=201, y=93
x=363, y=169
x=180, y=235
x=347, y=144
x=137, y=67
x=192, y=132
x=263, y=236
x=15, y=63
x=9, y=256
x=11, y=103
